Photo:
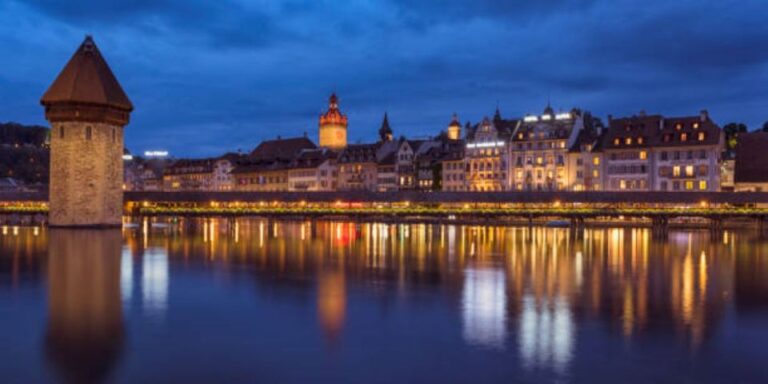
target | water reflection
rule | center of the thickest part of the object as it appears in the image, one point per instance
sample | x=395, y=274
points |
x=85, y=333
x=542, y=298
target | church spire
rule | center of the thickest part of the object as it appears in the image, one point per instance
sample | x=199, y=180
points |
x=385, y=132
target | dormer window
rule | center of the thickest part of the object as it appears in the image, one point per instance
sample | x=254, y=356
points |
x=679, y=126
x=667, y=138
x=640, y=140
x=696, y=125
x=616, y=141
x=702, y=135
x=683, y=137
x=628, y=141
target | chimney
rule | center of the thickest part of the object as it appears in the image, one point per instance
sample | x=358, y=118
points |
x=703, y=115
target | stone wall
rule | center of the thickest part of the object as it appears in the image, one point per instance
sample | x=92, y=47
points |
x=86, y=174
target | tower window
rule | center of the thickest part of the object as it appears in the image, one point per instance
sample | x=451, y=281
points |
x=61, y=131
x=88, y=132
x=114, y=135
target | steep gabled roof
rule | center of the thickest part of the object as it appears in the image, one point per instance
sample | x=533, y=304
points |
x=282, y=149
x=87, y=79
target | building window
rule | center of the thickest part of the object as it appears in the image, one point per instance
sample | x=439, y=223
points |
x=689, y=185
x=616, y=141
x=596, y=160
x=61, y=132
x=640, y=140
x=664, y=155
x=702, y=135
x=676, y=171
x=683, y=137
x=622, y=184
x=702, y=185
x=595, y=173
x=643, y=155
x=88, y=132
x=679, y=126
x=628, y=141
x=695, y=125
x=689, y=170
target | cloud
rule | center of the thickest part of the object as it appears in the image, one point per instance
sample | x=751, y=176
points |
x=207, y=76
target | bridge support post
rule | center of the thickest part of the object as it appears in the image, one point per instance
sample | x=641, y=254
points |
x=715, y=229
x=660, y=227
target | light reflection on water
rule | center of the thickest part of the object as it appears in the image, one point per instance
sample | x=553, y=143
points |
x=535, y=305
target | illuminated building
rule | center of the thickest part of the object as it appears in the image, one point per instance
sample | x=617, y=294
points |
x=687, y=152
x=627, y=147
x=540, y=147
x=486, y=155
x=655, y=153
x=87, y=109
x=333, y=126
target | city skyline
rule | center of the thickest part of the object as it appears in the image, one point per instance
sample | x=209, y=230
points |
x=207, y=79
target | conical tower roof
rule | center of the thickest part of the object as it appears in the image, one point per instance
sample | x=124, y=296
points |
x=87, y=79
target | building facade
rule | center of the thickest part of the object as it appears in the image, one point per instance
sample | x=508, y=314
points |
x=539, y=150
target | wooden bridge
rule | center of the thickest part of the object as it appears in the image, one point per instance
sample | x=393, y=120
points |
x=578, y=208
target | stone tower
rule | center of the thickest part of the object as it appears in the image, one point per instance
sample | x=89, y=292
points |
x=454, y=128
x=333, y=126
x=87, y=110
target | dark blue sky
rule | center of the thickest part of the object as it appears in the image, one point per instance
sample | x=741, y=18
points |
x=211, y=76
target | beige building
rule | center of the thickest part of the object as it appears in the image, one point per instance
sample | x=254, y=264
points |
x=627, y=149
x=358, y=167
x=539, y=151
x=313, y=170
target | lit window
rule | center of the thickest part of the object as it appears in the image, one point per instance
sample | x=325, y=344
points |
x=676, y=171
x=701, y=136
x=628, y=141
x=683, y=137
x=703, y=185
x=622, y=184
x=689, y=185
x=595, y=173
x=88, y=132
x=640, y=140
x=689, y=170
x=539, y=160
x=596, y=160
x=616, y=141
x=695, y=125
x=643, y=155
x=679, y=126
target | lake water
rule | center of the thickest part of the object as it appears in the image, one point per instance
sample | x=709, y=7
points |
x=298, y=302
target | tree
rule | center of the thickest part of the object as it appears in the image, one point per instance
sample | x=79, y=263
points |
x=732, y=131
x=765, y=126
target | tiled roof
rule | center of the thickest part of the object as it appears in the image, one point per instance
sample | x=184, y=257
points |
x=752, y=158
x=87, y=79
x=282, y=149
x=632, y=132
x=697, y=130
